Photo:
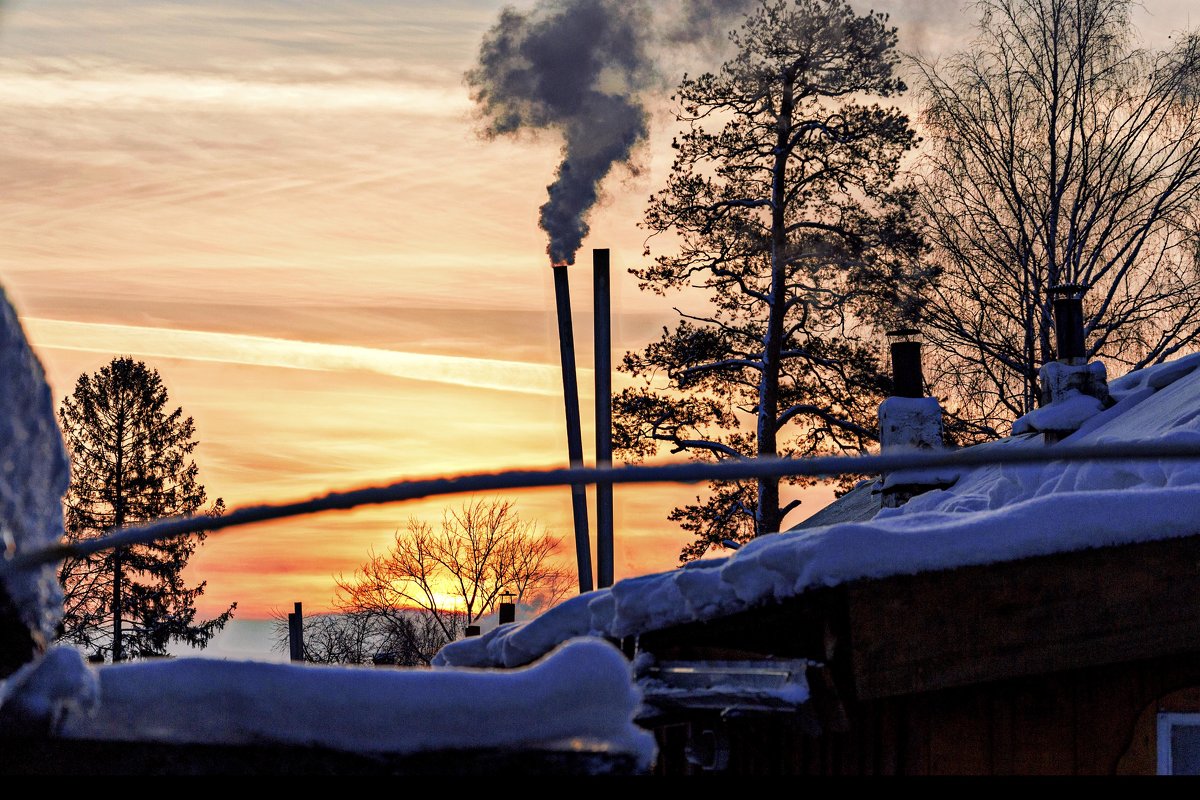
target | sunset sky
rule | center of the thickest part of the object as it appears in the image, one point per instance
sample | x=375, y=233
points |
x=285, y=209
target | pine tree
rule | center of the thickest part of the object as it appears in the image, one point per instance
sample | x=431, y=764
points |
x=130, y=463
x=784, y=211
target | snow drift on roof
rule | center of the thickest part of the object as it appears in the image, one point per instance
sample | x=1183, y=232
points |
x=990, y=514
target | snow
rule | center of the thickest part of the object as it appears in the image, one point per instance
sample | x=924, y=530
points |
x=33, y=475
x=1059, y=381
x=363, y=710
x=943, y=476
x=1073, y=394
x=910, y=422
x=1067, y=414
x=989, y=514
x=43, y=694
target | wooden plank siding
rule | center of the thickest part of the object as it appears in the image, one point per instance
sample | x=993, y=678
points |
x=956, y=627
x=1038, y=666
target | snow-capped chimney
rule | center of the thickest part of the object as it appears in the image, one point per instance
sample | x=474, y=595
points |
x=1071, y=375
x=908, y=420
x=1073, y=389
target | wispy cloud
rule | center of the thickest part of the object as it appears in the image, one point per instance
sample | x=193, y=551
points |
x=128, y=90
x=481, y=373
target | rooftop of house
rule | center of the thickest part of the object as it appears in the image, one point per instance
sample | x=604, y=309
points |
x=986, y=515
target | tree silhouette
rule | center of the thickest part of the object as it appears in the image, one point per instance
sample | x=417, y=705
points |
x=1059, y=152
x=130, y=463
x=433, y=582
x=783, y=210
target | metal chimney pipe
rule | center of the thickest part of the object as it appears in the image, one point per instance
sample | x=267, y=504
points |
x=566, y=349
x=908, y=379
x=508, y=609
x=1068, y=321
x=296, y=633
x=601, y=305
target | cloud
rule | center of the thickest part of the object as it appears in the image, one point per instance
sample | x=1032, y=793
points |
x=128, y=90
x=481, y=373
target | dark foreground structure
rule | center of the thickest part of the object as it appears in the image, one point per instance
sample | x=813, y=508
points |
x=51, y=756
x=1084, y=663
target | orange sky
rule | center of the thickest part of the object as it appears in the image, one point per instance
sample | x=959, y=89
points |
x=283, y=207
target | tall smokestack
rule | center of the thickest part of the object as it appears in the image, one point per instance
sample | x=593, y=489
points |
x=601, y=292
x=566, y=351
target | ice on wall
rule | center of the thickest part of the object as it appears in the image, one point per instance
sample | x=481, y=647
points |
x=581, y=696
x=990, y=514
x=34, y=473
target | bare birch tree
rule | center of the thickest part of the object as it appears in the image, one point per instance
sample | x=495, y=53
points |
x=1059, y=152
x=433, y=582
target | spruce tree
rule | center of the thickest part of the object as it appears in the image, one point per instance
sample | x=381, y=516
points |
x=130, y=463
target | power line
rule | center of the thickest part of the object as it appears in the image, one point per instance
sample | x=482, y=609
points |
x=740, y=469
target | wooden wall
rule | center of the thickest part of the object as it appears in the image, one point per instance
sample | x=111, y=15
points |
x=1095, y=721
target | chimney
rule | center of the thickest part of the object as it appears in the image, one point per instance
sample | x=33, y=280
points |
x=908, y=420
x=508, y=608
x=1072, y=389
x=907, y=377
x=1067, y=299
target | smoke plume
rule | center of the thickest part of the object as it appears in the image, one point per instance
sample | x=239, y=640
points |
x=576, y=66
x=582, y=67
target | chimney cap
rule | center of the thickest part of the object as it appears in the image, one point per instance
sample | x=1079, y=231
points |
x=904, y=334
x=1067, y=290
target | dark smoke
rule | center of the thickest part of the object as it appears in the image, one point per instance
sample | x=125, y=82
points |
x=583, y=67
x=579, y=67
x=703, y=21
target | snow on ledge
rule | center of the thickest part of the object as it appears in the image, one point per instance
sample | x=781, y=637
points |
x=365, y=710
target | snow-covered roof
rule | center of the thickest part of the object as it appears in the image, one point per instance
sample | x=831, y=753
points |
x=857, y=505
x=990, y=514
